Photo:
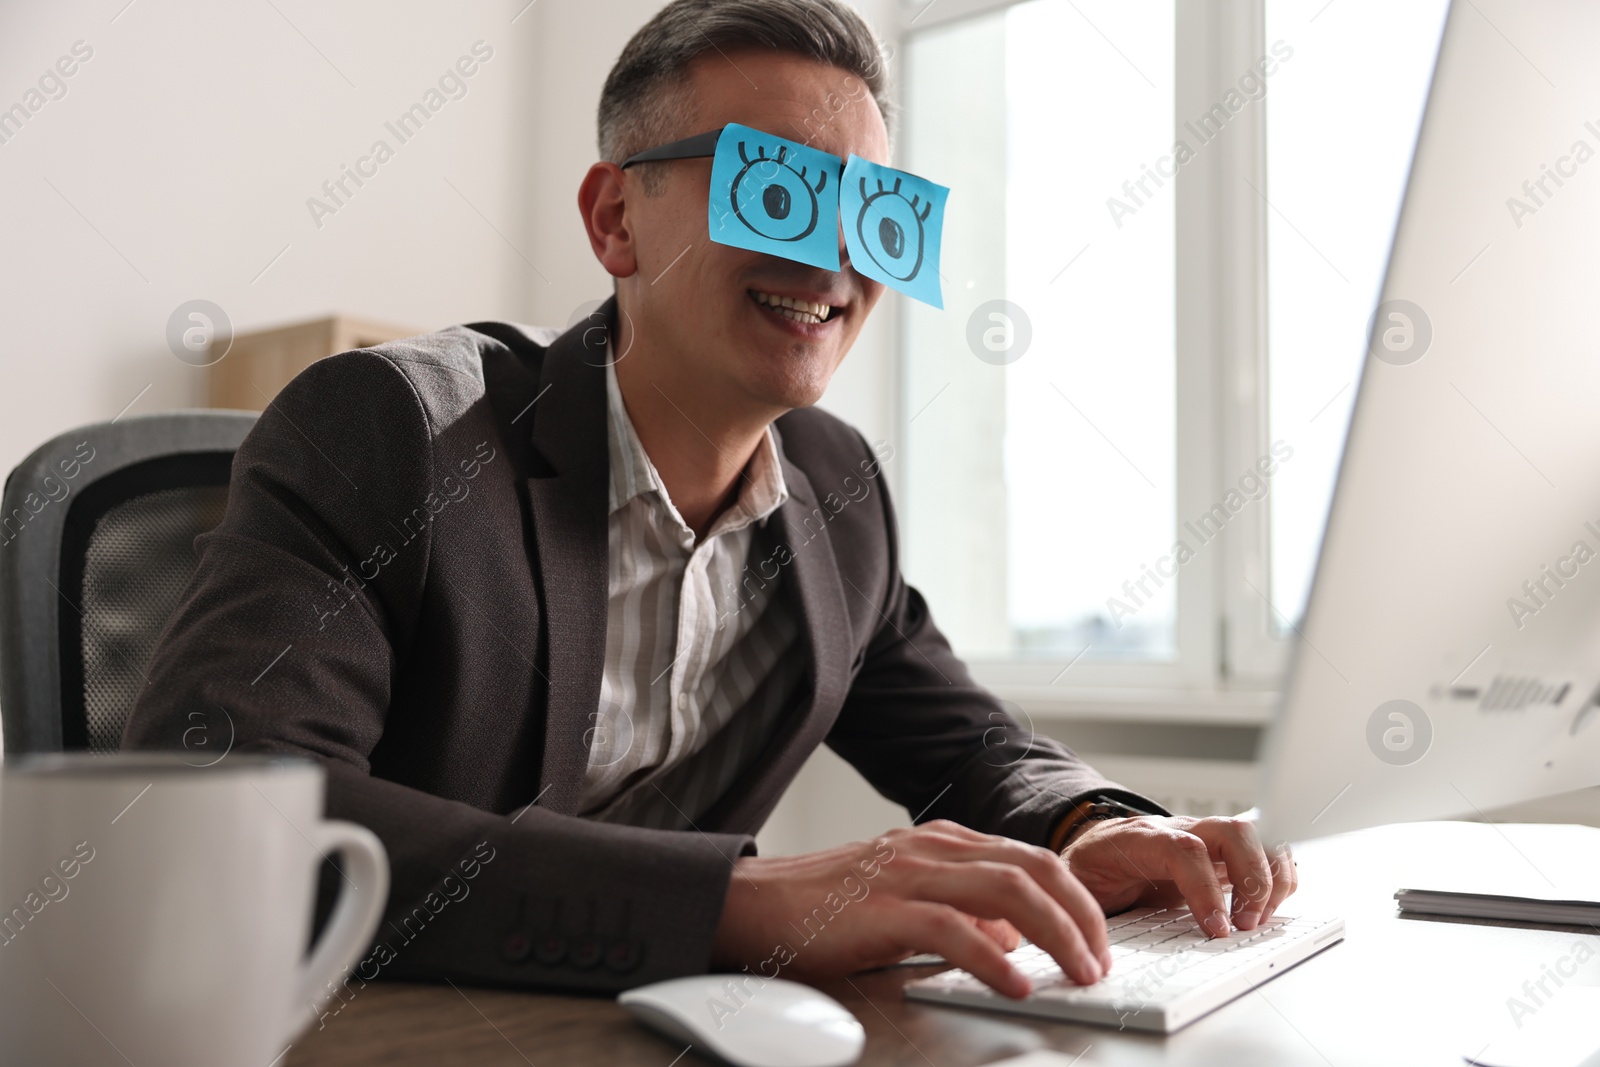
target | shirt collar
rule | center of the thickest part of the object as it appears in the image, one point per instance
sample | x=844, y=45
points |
x=762, y=488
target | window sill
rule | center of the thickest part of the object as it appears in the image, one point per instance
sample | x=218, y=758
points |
x=1107, y=703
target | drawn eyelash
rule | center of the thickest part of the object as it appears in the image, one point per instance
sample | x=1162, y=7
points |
x=783, y=153
x=761, y=153
x=927, y=209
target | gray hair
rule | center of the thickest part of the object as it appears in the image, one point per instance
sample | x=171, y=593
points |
x=646, y=99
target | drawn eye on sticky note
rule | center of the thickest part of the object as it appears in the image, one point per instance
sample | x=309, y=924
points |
x=774, y=196
x=892, y=225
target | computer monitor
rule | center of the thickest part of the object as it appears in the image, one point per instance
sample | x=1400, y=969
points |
x=1448, y=661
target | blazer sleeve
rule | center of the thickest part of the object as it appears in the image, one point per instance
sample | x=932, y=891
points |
x=346, y=445
x=927, y=736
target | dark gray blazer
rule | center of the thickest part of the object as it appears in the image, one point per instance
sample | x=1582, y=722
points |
x=409, y=585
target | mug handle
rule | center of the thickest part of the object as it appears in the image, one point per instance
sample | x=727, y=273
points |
x=355, y=918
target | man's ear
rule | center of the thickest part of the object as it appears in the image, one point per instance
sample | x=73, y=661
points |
x=602, y=202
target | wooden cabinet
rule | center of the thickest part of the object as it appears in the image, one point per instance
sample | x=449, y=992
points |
x=258, y=364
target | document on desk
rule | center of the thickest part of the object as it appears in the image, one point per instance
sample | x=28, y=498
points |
x=1526, y=909
x=1525, y=872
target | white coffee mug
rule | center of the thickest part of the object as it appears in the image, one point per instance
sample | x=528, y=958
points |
x=157, y=913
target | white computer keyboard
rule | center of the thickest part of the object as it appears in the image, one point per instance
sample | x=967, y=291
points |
x=1165, y=971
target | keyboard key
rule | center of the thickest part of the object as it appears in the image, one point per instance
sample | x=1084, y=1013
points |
x=1167, y=948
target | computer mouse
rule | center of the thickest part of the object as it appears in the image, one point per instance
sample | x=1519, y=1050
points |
x=750, y=1021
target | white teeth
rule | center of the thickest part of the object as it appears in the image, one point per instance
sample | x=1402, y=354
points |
x=789, y=307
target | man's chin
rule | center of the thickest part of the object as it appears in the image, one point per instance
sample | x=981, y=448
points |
x=790, y=386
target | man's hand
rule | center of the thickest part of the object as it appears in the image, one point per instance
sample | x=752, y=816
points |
x=939, y=887
x=1153, y=861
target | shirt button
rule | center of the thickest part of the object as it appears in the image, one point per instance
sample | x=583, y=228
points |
x=683, y=701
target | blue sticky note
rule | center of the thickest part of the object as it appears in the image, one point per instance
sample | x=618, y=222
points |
x=775, y=196
x=892, y=223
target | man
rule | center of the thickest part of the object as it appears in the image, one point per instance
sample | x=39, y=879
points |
x=563, y=616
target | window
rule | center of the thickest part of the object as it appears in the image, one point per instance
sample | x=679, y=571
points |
x=1043, y=392
x=1167, y=228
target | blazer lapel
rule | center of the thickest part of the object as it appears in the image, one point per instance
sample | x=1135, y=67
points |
x=826, y=635
x=568, y=500
x=567, y=495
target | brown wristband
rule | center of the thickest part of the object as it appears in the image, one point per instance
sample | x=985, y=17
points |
x=1075, y=820
x=1095, y=808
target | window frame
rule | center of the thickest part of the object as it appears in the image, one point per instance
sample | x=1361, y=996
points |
x=1230, y=657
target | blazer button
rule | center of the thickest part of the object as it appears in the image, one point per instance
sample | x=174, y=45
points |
x=587, y=950
x=550, y=948
x=624, y=956
x=516, y=947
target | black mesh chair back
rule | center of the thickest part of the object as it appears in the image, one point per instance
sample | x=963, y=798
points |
x=97, y=532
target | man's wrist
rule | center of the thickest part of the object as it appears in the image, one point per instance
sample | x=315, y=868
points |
x=1096, y=807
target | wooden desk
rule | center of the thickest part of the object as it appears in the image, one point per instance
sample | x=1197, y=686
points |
x=1396, y=991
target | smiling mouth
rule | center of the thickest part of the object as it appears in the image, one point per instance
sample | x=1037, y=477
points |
x=798, y=310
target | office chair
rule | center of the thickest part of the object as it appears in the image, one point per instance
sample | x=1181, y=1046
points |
x=97, y=532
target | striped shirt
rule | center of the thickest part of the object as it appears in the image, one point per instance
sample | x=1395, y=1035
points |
x=697, y=666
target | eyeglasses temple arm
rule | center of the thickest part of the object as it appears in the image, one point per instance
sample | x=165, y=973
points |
x=701, y=144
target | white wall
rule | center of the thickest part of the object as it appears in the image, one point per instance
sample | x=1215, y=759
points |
x=179, y=164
